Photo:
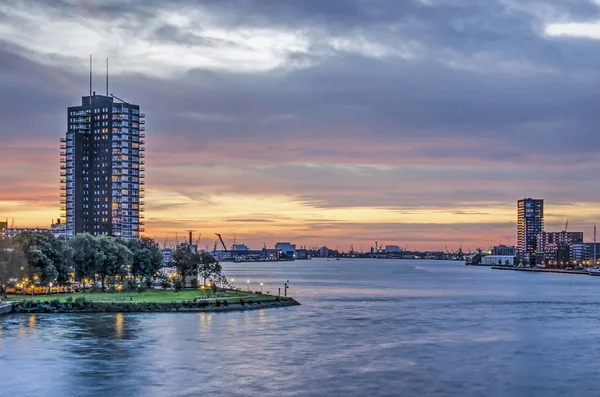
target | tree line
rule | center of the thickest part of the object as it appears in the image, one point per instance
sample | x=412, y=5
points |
x=103, y=259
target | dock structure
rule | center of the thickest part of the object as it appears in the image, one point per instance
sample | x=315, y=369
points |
x=539, y=270
x=5, y=307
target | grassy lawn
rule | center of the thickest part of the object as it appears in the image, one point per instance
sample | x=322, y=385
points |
x=149, y=296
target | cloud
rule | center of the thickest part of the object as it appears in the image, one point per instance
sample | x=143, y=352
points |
x=339, y=120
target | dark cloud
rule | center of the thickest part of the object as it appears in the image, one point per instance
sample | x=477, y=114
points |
x=391, y=104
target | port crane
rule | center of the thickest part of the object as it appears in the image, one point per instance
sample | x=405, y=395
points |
x=222, y=242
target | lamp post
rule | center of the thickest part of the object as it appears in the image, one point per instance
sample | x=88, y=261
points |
x=261, y=285
x=248, y=285
x=286, y=288
x=50, y=288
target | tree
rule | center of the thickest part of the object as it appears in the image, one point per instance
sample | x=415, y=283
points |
x=46, y=257
x=85, y=256
x=146, y=258
x=112, y=256
x=185, y=261
x=210, y=268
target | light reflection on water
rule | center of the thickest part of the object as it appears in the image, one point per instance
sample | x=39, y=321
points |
x=377, y=328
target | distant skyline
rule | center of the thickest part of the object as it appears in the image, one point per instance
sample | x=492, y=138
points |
x=417, y=123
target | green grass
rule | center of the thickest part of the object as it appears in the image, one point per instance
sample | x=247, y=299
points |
x=149, y=296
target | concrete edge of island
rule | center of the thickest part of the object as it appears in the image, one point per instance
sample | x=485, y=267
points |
x=35, y=307
x=540, y=270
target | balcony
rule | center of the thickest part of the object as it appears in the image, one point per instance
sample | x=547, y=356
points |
x=142, y=203
x=63, y=195
x=63, y=181
x=142, y=162
x=142, y=175
x=142, y=114
x=142, y=155
x=63, y=188
x=63, y=174
x=142, y=183
x=63, y=139
x=142, y=142
x=142, y=121
x=142, y=128
x=63, y=153
x=63, y=167
x=142, y=135
x=63, y=161
x=63, y=201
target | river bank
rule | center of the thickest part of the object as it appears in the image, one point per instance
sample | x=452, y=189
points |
x=538, y=270
x=83, y=306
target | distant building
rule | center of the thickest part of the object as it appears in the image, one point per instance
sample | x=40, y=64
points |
x=3, y=227
x=498, y=260
x=590, y=250
x=240, y=247
x=288, y=249
x=58, y=229
x=11, y=232
x=563, y=255
x=392, y=249
x=578, y=254
x=504, y=250
x=324, y=251
x=167, y=254
x=530, y=223
x=545, y=239
x=302, y=253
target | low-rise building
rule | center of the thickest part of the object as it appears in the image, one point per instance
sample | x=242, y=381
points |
x=288, y=249
x=498, y=260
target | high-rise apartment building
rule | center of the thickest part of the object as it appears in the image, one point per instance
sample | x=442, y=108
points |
x=530, y=223
x=102, y=168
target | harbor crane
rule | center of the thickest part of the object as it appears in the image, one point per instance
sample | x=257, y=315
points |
x=222, y=242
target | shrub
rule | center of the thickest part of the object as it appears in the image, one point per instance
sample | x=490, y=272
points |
x=141, y=289
x=178, y=285
x=69, y=299
x=165, y=284
x=80, y=300
x=217, y=303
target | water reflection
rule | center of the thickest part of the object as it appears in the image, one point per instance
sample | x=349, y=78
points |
x=32, y=321
x=119, y=326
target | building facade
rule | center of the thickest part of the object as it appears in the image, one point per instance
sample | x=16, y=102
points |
x=288, y=249
x=102, y=168
x=530, y=223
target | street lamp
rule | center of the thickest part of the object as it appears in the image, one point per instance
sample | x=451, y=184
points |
x=261, y=285
x=248, y=285
x=50, y=289
x=286, y=288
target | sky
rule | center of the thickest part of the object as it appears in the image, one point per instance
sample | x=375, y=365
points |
x=411, y=122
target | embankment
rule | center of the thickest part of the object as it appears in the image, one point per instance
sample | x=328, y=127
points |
x=83, y=306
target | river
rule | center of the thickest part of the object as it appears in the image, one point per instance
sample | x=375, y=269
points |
x=365, y=328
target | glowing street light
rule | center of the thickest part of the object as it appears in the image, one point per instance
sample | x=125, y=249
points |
x=248, y=285
x=261, y=285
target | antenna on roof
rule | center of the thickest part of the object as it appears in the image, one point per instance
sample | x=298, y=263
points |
x=90, y=75
x=106, y=76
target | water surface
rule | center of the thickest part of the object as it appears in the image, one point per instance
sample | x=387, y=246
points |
x=365, y=328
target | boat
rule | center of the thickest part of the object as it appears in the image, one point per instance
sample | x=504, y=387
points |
x=593, y=271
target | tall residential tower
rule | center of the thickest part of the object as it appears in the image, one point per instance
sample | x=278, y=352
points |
x=102, y=168
x=530, y=223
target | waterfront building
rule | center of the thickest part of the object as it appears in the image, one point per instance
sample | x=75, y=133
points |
x=498, y=260
x=392, y=249
x=590, y=250
x=504, y=250
x=240, y=247
x=288, y=249
x=578, y=254
x=102, y=168
x=530, y=223
x=546, y=239
x=563, y=255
